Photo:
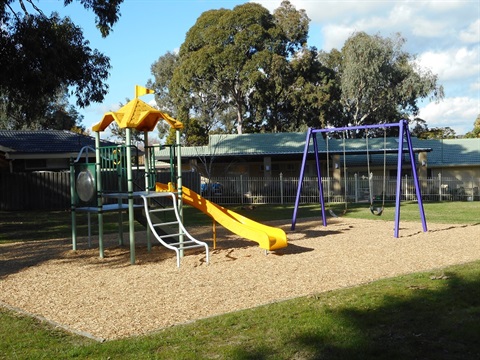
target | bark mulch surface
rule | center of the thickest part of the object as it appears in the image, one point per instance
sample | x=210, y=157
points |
x=109, y=298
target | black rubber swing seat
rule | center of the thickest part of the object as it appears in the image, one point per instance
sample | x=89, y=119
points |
x=376, y=210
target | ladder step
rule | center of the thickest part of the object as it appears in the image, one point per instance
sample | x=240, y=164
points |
x=183, y=243
x=166, y=223
x=160, y=210
x=169, y=235
x=191, y=246
x=165, y=239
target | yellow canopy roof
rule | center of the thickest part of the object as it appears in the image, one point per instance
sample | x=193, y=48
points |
x=138, y=115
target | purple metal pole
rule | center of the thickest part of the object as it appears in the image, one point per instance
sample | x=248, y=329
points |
x=358, y=127
x=319, y=179
x=403, y=131
x=398, y=193
x=415, y=179
x=300, y=179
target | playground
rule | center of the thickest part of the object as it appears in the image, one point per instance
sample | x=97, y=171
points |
x=99, y=287
x=109, y=298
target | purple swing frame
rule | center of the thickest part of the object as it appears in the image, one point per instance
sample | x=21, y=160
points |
x=404, y=133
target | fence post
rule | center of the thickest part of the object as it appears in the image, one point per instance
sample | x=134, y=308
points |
x=473, y=190
x=405, y=186
x=241, y=189
x=355, y=176
x=281, y=188
x=440, y=186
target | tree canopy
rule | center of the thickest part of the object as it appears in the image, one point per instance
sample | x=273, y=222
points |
x=380, y=82
x=475, y=133
x=44, y=57
x=250, y=70
x=230, y=56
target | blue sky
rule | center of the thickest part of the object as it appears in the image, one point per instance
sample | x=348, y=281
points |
x=443, y=34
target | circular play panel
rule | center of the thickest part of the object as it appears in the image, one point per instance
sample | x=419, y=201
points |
x=85, y=186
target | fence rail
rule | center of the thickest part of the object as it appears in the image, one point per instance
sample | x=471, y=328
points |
x=283, y=190
x=47, y=190
x=51, y=190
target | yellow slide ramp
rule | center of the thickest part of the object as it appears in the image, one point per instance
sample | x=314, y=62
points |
x=267, y=237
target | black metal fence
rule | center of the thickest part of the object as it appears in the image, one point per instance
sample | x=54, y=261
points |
x=34, y=191
x=51, y=190
x=283, y=190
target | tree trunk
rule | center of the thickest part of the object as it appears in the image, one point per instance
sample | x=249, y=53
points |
x=239, y=121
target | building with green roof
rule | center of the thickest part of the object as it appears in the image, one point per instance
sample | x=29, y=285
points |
x=265, y=154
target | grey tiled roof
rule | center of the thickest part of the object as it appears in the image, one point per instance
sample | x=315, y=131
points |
x=441, y=152
x=285, y=143
x=452, y=152
x=273, y=143
x=45, y=141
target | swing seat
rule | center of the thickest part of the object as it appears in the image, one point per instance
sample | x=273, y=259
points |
x=377, y=211
x=332, y=214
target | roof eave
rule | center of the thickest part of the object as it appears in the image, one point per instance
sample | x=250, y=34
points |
x=26, y=156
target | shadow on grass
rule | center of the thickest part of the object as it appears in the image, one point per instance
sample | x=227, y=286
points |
x=34, y=225
x=437, y=321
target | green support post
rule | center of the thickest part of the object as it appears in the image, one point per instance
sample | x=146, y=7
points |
x=98, y=181
x=72, y=204
x=147, y=180
x=131, y=218
x=179, y=187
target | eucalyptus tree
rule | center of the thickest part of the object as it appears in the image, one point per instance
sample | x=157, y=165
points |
x=475, y=133
x=418, y=126
x=162, y=70
x=314, y=100
x=380, y=82
x=43, y=54
x=58, y=114
x=438, y=133
x=205, y=111
x=228, y=55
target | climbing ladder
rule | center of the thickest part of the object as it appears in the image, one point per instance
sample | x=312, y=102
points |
x=181, y=243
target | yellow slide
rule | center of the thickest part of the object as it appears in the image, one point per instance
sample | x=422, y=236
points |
x=267, y=237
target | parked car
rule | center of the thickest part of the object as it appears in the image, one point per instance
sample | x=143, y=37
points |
x=211, y=189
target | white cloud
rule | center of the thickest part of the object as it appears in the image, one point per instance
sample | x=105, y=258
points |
x=419, y=21
x=453, y=63
x=458, y=113
x=335, y=36
x=472, y=33
x=445, y=36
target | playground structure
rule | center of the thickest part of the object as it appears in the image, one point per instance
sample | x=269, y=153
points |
x=268, y=237
x=89, y=195
x=404, y=136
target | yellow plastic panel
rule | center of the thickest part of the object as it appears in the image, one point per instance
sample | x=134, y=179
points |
x=267, y=237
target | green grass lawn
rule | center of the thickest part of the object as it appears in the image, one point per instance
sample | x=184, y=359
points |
x=41, y=225
x=430, y=315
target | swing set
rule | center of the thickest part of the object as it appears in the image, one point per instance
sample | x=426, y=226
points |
x=403, y=136
x=376, y=210
x=345, y=187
